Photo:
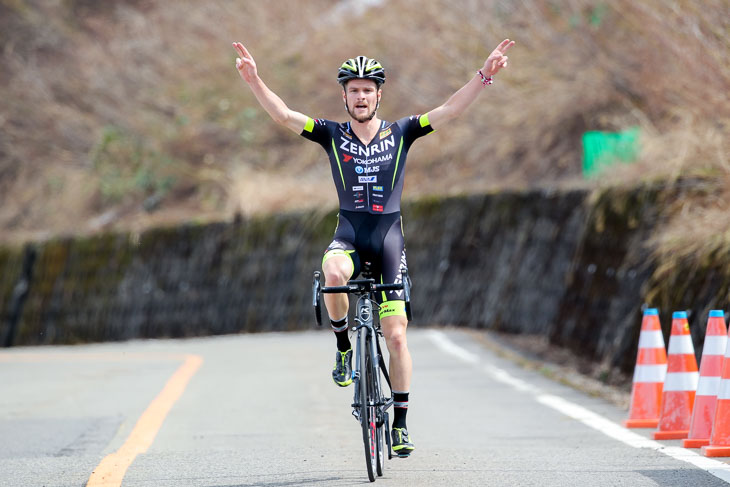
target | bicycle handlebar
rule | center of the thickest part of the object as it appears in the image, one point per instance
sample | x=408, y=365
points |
x=362, y=286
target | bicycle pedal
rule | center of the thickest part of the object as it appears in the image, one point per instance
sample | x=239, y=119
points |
x=403, y=455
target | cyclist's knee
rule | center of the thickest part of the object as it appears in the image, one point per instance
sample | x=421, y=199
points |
x=394, y=331
x=337, y=271
x=396, y=342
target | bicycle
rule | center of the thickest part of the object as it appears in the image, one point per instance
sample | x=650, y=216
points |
x=370, y=405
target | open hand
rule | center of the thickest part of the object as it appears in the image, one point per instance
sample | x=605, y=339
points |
x=245, y=64
x=497, y=60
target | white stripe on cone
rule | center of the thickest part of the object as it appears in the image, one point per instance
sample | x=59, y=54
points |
x=708, y=386
x=651, y=339
x=724, y=392
x=681, y=344
x=681, y=381
x=650, y=373
x=714, y=345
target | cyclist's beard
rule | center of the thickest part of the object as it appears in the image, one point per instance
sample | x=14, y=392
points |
x=363, y=118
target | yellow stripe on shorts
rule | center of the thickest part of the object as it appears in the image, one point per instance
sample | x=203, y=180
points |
x=392, y=308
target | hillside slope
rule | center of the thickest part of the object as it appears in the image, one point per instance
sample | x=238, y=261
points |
x=129, y=113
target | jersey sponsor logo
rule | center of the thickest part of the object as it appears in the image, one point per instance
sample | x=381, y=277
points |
x=367, y=179
x=345, y=133
x=367, y=170
x=319, y=121
x=385, y=133
x=359, y=207
x=377, y=188
x=374, y=160
x=399, y=277
x=358, y=188
x=358, y=195
x=346, y=157
x=358, y=150
x=377, y=195
x=359, y=201
x=378, y=208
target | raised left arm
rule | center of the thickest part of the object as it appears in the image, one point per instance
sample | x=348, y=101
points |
x=458, y=102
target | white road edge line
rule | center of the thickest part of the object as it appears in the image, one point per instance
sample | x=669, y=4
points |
x=579, y=413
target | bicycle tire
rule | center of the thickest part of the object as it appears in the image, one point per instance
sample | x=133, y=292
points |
x=377, y=398
x=367, y=405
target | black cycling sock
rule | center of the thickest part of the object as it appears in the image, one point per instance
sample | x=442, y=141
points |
x=343, y=339
x=400, y=409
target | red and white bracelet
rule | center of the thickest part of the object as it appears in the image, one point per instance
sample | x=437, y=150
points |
x=485, y=81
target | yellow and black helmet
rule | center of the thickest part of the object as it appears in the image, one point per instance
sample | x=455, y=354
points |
x=361, y=67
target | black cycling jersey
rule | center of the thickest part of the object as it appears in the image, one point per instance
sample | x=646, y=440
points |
x=369, y=178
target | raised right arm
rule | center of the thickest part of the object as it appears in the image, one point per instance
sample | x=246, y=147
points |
x=269, y=100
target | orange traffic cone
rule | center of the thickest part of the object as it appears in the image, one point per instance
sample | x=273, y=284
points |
x=720, y=438
x=649, y=374
x=681, y=382
x=703, y=412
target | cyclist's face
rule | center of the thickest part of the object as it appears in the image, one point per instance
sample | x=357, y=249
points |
x=361, y=99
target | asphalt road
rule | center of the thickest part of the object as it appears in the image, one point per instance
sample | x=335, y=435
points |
x=261, y=410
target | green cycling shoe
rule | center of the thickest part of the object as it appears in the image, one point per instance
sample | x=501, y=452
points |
x=342, y=371
x=402, y=444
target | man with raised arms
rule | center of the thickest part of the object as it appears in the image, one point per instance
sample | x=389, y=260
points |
x=368, y=157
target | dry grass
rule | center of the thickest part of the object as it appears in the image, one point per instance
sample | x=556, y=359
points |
x=190, y=141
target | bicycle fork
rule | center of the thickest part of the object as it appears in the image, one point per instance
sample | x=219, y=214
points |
x=356, y=379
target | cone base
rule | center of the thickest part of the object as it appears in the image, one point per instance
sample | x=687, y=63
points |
x=695, y=443
x=716, y=451
x=641, y=423
x=671, y=435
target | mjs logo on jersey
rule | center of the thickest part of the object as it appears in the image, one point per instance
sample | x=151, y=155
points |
x=377, y=188
x=366, y=170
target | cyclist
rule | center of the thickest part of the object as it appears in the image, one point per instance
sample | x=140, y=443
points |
x=367, y=157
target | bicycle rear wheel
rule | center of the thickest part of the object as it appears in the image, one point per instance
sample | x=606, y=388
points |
x=368, y=408
x=382, y=415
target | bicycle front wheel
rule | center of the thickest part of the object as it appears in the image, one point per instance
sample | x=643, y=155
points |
x=368, y=413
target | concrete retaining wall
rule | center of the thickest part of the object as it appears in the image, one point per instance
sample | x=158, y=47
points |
x=572, y=266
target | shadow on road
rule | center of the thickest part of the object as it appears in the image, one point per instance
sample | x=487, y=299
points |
x=682, y=478
x=313, y=481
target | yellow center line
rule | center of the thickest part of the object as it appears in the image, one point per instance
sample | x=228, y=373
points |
x=111, y=470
